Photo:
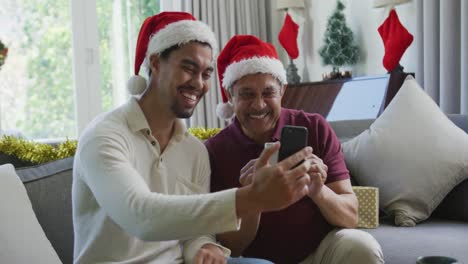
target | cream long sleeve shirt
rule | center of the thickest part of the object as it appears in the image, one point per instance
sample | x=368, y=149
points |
x=130, y=202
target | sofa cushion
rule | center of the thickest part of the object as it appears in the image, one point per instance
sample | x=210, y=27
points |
x=346, y=130
x=49, y=188
x=433, y=237
x=22, y=239
x=413, y=153
x=16, y=162
x=455, y=204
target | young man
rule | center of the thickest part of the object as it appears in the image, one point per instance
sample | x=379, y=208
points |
x=253, y=82
x=138, y=173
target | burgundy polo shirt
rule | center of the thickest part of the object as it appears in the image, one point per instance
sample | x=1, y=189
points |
x=289, y=235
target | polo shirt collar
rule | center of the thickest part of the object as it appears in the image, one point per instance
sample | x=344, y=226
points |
x=180, y=130
x=135, y=117
x=137, y=121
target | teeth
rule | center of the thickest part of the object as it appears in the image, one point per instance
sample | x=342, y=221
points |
x=189, y=96
x=258, y=116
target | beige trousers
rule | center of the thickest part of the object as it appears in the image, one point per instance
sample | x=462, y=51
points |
x=350, y=246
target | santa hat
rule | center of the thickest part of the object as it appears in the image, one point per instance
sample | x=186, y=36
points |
x=244, y=55
x=161, y=32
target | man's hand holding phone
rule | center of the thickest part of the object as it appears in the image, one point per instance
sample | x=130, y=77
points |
x=293, y=139
x=275, y=187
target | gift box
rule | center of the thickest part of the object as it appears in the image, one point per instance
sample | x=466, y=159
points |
x=368, y=213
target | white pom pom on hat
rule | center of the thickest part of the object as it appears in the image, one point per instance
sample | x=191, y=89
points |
x=136, y=85
x=225, y=111
x=162, y=31
x=244, y=55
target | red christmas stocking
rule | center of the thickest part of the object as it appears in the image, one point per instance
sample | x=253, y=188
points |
x=396, y=39
x=288, y=37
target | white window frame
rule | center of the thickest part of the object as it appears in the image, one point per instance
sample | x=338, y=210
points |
x=86, y=66
x=86, y=60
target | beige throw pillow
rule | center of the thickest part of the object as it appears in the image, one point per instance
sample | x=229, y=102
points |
x=413, y=153
x=22, y=239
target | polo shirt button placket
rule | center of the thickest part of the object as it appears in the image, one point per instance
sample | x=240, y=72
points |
x=153, y=143
x=159, y=162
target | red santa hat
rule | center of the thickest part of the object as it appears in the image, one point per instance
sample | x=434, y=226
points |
x=244, y=55
x=162, y=31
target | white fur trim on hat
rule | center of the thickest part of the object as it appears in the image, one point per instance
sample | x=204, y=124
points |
x=136, y=85
x=225, y=111
x=178, y=33
x=253, y=65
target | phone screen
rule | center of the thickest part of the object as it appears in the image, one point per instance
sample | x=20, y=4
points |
x=293, y=139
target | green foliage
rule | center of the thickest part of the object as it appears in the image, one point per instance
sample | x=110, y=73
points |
x=34, y=152
x=133, y=13
x=47, y=45
x=50, y=109
x=339, y=48
x=104, y=14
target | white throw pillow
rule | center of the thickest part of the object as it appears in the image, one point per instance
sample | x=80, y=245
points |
x=22, y=239
x=413, y=153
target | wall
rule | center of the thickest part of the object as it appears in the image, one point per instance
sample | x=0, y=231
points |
x=363, y=20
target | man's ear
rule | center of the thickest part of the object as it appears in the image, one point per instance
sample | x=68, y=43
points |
x=154, y=63
x=228, y=95
x=283, y=90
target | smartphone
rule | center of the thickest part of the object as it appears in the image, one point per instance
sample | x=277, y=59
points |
x=293, y=139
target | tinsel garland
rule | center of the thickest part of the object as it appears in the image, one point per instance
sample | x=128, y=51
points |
x=35, y=152
x=38, y=153
x=203, y=133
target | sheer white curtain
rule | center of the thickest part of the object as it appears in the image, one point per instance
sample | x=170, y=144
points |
x=226, y=18
x=442, y=41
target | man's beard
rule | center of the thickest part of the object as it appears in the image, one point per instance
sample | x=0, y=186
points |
x=180, y=112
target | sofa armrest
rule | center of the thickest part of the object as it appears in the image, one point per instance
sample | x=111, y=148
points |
x=455, y=204
x=368, y=212
x=49, y=188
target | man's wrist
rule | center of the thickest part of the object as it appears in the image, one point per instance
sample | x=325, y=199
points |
x=318, y=195
x=246, y=202
x=213, y=246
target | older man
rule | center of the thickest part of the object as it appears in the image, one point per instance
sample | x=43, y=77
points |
x=317, y=228
x=138, y=173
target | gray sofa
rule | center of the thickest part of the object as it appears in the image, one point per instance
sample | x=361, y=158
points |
x=49, y=188
x=444, y=233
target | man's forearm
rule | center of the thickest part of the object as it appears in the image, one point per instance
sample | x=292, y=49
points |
x=338, y=209
x=238, y=241
x=245, y=203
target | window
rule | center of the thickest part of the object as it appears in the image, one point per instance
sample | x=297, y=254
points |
x=119, y=23
x=103, y=55
x=36, y=84
x=68, y=60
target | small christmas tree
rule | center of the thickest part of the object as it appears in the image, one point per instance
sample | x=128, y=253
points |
x=339, y=48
